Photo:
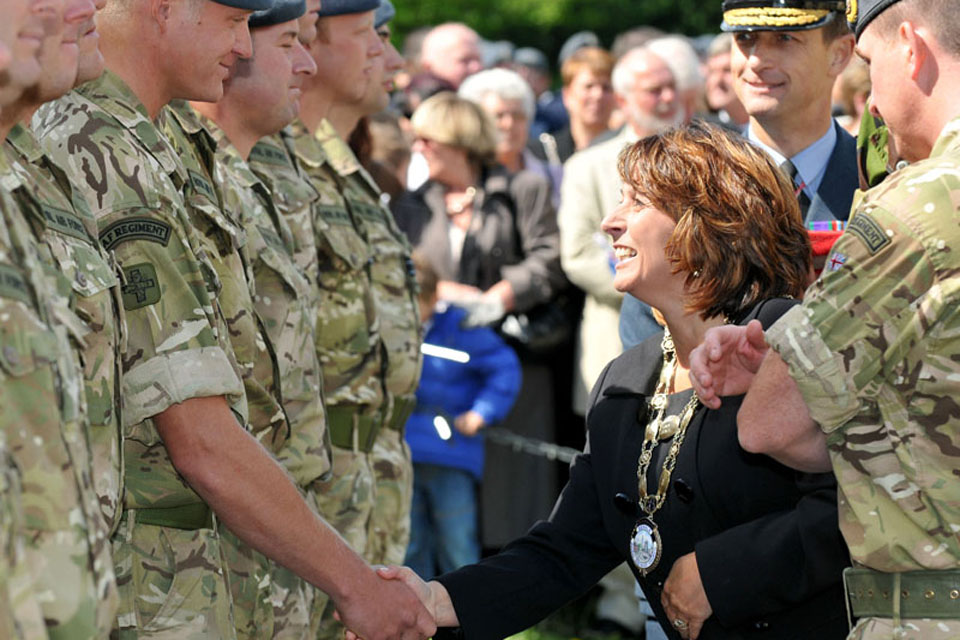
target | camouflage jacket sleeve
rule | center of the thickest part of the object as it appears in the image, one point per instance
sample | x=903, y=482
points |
x=867, y=324
x=127, y=172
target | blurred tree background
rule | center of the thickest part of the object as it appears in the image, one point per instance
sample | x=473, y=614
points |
x=546, y=24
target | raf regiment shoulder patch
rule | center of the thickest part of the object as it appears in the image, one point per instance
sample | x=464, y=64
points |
x=866, y=228
x=141, y=287
x=149, y=229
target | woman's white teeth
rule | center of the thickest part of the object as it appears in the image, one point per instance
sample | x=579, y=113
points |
x=623, y=253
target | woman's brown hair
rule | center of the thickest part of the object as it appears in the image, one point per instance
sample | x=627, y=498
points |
x=739, y=236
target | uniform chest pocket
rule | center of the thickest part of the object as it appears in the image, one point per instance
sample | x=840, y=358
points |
x=282, y=268
x=88, y=270
x=25, y=342
x=340, y=248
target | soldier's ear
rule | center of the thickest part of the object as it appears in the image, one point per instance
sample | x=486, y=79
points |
x=161, y=11
x=916, y=46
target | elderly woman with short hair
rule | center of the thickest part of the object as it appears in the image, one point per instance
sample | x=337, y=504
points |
x=509, y=101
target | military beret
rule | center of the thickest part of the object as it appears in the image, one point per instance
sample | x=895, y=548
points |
x=861, y=12
x=384, y=14
x=343, y=7
x=780, y=15
x=250, y=5
x=281, y=11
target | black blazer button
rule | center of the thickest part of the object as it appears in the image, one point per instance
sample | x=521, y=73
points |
x=761, y=625
x=684, y=490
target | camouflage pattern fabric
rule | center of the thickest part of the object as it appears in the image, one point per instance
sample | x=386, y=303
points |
x=63, y=224
x=283, y=301
x=224, y=239
x=20, y=614
x=43, y=420
x=389, y=532
x=395, y=292
x=347, y=345
x=345, y=501
x=273, y=160
x=171, y=579
x=874, y=350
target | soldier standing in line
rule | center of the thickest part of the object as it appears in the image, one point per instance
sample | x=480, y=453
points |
x=358, y=358
x=862, y=377
x=70, y=250
x=49, y=574
x=186, y=452
x=261, y=98
x=395, y=290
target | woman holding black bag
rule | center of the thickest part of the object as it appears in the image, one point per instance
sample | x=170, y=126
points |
x=492, y=238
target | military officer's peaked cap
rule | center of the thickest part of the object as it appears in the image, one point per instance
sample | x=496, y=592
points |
x=250, y=5
x=343, y=7
x=281, y=11
x=861, y=12
x=780, y=15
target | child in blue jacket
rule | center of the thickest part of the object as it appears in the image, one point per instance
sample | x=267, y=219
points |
x=471, y=383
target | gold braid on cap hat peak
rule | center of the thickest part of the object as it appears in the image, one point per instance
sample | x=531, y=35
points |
x=773, y=17
x=852, y=11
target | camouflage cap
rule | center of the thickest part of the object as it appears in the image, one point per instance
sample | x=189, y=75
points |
x=384, y=14
x=250, y=5
x=861, y=12
x=343, y=7
x=780, y=15
x=281, y=11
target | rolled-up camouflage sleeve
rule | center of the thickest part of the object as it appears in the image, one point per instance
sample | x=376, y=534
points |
x=859, y=320
x=172, y=350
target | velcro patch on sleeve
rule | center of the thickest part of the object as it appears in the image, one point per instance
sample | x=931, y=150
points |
x=149, y=229
x=141, y=286
x=867, y=229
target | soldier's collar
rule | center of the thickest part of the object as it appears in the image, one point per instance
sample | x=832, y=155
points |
x=22, y=139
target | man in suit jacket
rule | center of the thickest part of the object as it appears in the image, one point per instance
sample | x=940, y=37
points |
x=646, y=92
x=784, y=71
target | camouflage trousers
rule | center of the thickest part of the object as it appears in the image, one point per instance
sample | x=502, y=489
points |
x=345, y=502
x=913, y=629
x=20, y=614
x=172, y=584
x=268, y=600
x=389, y=532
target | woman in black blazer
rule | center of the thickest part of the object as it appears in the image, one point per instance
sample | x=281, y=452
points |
x=725, y=544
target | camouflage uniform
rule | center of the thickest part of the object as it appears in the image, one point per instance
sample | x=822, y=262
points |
x=42, y=419
x=348, y=346
x=20, y=615
x=283, y=303
x=167, y=549
x=69, y=248
x=224, y=239
x=875, y=351
x=395, y=291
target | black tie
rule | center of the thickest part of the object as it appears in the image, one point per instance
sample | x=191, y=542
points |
x=802, y=197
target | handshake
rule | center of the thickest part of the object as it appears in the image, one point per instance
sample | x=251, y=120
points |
x=401, y=605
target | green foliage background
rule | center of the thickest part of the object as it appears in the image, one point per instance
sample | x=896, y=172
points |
x=545, y=24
